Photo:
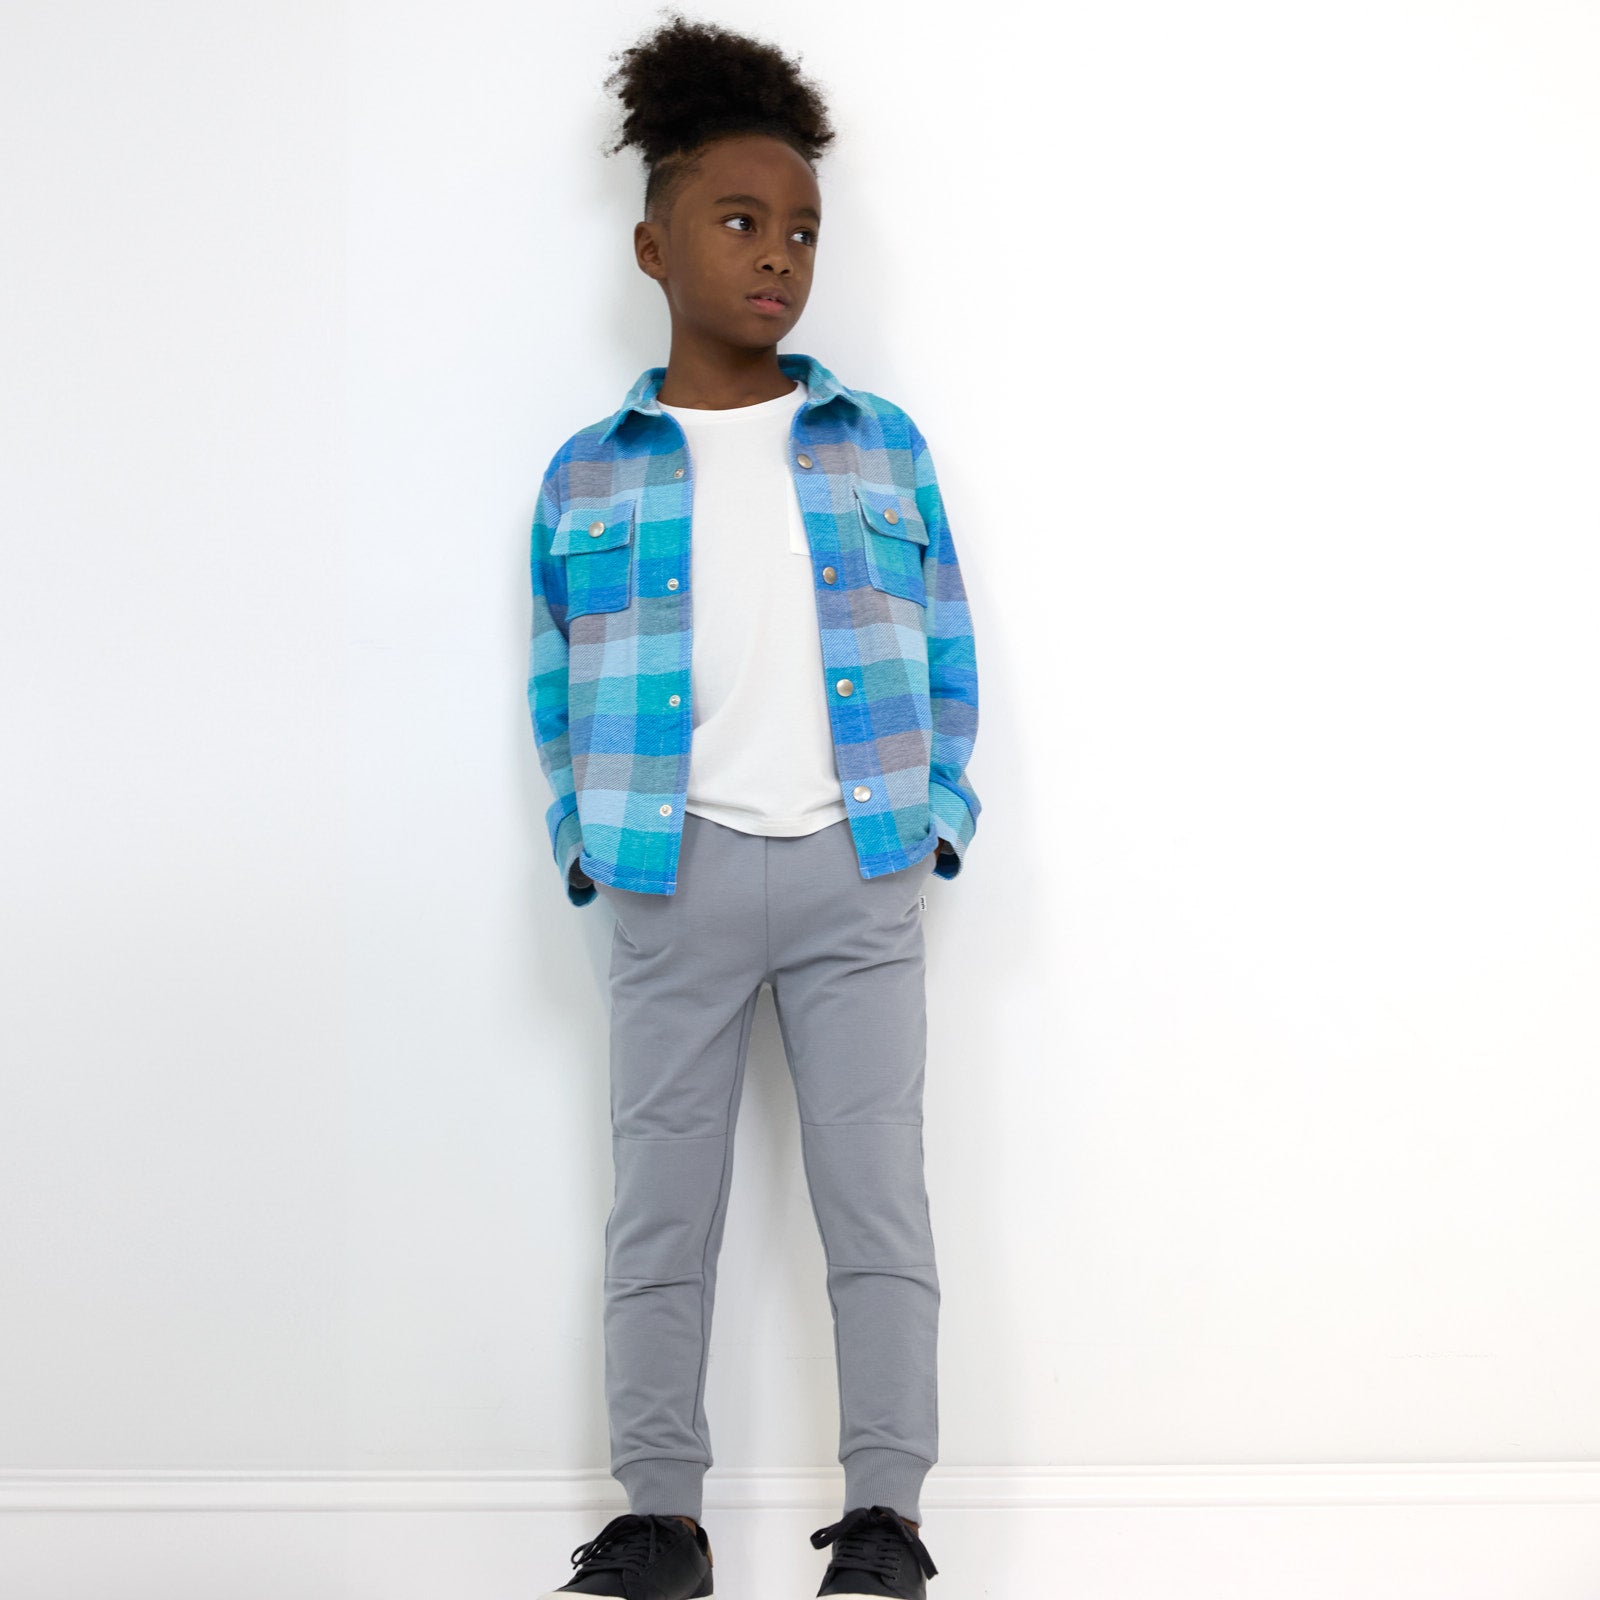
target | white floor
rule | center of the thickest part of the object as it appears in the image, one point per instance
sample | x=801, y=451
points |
x=1082, y=1552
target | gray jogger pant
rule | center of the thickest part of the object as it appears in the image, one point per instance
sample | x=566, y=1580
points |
x=844, y=955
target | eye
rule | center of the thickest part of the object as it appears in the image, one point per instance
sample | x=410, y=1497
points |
x=809, y=233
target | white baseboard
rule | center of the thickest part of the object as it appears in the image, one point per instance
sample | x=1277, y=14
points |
x=960, y=1488
x=1450, y=1531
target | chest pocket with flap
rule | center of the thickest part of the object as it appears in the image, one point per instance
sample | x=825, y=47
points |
x=895, y=539
x=597, y=545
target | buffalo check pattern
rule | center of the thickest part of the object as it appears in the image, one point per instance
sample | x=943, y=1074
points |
x=609, y=683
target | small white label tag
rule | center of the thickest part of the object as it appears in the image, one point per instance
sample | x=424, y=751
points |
x=924, y=899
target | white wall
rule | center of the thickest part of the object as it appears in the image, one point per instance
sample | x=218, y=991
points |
x=1262, y=1081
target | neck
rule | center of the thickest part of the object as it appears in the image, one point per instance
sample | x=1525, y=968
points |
x=719, y=377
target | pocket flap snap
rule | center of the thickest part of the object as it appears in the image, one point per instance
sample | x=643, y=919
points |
x=888, y=512
x=581, y=530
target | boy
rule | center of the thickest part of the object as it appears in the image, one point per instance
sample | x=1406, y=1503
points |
x=756, y=738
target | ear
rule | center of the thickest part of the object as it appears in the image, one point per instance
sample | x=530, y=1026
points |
x=647, y=251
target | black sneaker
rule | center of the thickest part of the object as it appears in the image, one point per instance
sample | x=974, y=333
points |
x=641, y=1558
x=875, y=1552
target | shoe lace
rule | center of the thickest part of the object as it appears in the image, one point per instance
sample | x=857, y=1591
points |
x=627, y=1545
x=873, y=1539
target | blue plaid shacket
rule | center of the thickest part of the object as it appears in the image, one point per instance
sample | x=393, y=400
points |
x=609, y=660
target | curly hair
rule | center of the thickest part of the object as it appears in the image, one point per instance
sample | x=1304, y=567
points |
x=690, y=83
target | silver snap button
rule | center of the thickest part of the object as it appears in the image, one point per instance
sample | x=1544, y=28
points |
x=861, y=792
x=891, y=515
x=673, y=701
x=672, y=583
x=844, y=686
x=805, y=461
x=596, y=529
x=666, y=811
x=678, y=473
x=830, y=574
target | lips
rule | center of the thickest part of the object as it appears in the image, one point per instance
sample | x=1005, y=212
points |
x=769, y=300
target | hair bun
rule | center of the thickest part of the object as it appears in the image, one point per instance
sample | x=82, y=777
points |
x=690, y=82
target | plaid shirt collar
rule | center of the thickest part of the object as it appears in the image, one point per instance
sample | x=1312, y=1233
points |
x=821, y=387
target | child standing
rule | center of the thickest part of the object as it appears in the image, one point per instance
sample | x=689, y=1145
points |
x=756, y=738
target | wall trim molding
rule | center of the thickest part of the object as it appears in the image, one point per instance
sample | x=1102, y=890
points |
x=1009, y=1488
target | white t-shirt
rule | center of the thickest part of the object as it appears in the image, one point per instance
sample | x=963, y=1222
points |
x=761, y=759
